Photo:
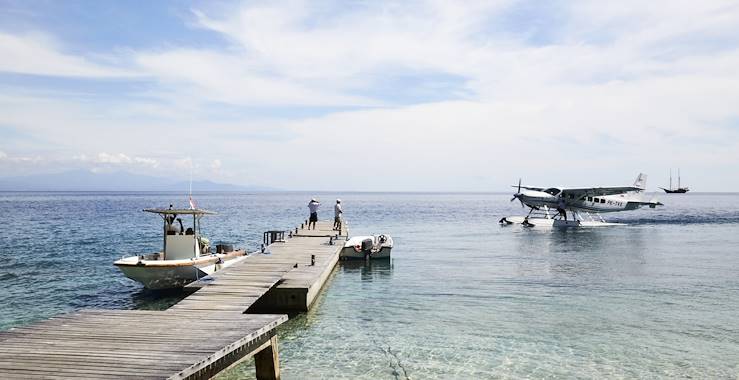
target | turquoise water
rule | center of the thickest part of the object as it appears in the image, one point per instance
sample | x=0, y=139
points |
x=462, y=297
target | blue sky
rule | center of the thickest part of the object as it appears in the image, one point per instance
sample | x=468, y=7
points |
x=334, y=95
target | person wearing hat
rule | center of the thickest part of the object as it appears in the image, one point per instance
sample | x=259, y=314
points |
x=313, y=207
x=337, y=215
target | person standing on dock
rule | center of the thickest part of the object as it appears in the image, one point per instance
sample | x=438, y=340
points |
x=313, y=207
x=337, y=215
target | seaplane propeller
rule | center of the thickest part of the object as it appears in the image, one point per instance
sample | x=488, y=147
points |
x=518, y=194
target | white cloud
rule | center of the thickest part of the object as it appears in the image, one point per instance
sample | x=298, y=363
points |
x=120, y=159
x=610, y=88
x=305, y=53
x=184, y=164
x=40, y=55
x=18, y=162
x=346, y=51
x=212, y=76
x=146, y=161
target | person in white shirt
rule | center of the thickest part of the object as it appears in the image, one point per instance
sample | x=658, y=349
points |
x=313, y=207
x=337, y=215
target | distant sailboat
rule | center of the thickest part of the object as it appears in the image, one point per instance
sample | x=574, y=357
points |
x=679, y=189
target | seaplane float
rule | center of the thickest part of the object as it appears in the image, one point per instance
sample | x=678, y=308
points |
x=367, y=247
x=549, y=207
x=185, y=257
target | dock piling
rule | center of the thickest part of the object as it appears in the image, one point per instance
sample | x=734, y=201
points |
x=267, y=361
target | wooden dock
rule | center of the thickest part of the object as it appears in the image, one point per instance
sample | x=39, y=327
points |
x=115, y=344
x=316, y=253
x=198, y=337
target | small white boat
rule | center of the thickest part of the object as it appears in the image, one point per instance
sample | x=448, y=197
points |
x=367, y=247
x=185, y=257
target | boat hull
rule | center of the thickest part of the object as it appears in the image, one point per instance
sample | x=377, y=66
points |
x=172, y=274
x=367, y=247
x=348, y=253
x=163, y=277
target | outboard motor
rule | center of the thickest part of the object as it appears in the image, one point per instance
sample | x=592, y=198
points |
x=367, y=245
x=224, y=248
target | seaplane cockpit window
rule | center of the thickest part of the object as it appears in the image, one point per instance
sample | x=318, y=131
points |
x=552, y=191
x=590, y=199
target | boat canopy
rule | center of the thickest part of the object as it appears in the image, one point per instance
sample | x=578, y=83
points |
x=171, y=211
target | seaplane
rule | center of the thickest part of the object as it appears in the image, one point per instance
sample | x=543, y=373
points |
x=577, y=206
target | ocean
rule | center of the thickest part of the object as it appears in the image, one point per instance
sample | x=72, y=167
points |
x=462, y=297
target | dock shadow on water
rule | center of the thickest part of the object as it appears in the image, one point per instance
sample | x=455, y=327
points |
x=148, y=299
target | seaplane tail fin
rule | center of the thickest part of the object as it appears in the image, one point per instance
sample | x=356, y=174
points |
x=641, y=181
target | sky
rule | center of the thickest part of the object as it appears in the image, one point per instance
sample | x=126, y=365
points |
x=374, y=95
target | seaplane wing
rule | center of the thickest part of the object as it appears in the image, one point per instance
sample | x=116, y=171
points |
x=579, y=192
x=531, y=188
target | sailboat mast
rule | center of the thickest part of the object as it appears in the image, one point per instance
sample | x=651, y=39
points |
x=678, y=178
x=670, y=179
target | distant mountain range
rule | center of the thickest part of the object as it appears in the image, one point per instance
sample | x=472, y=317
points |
x=82, y=180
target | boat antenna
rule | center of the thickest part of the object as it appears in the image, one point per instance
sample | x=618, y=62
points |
x=190, y=200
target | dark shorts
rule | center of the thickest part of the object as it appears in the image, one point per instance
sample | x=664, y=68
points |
x=313, y=217
x=337, y=219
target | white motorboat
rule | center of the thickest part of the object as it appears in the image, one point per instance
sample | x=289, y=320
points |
x=186, y=255
x=367, y=247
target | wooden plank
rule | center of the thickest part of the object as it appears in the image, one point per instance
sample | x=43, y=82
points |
x=86, y=345
x=323, y=229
